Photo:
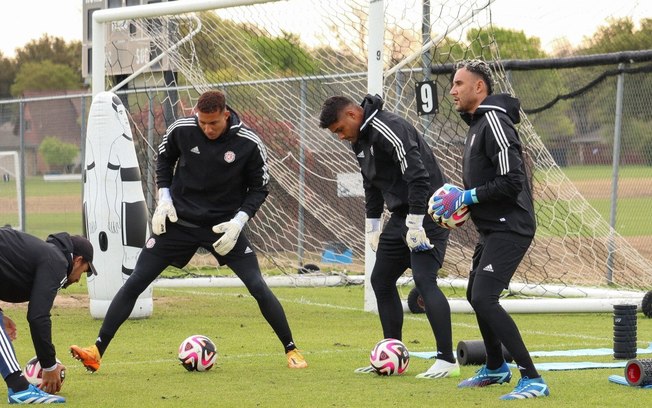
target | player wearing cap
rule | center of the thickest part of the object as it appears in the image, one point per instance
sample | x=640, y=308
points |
x=33, y=271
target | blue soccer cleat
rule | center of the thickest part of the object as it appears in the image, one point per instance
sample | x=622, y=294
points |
x=528, y=388
x=33, y=395
x=485, y=376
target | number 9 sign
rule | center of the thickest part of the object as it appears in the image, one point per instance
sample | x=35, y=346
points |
x=426, y=93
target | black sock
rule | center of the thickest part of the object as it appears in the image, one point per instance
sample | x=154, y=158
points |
x=16, y=381
x=446, y=357
x=289, y=347
x=102, y=343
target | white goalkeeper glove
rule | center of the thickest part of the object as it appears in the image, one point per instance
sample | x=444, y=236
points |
x=372, y=229
x=416, y=237
x=164, y=209
x=231, y=230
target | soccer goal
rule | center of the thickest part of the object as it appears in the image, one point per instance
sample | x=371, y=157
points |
x=278, y=61
x=12, y=204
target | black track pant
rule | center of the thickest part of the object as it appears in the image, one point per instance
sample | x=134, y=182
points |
x=495, y=260
x=392, y=259
x=149, y=266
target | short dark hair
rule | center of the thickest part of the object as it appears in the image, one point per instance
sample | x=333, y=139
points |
x=330, y=110
x=211, y=101
x=481, y=69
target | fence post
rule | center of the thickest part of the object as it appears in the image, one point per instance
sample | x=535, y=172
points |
x=616, y=164
x=21, y=121
x=302, y=172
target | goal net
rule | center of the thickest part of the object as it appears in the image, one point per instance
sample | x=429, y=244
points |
x=11, y=205
x=278, y=61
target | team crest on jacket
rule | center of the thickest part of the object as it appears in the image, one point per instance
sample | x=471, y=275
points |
x=229, y=156
x=150, y=243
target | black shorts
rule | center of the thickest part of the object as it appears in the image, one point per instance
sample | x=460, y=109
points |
x=393, y=247
x=180, y=242
x=498, y=254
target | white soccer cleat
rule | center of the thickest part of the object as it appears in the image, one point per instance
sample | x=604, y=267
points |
x=441, y=369
x=365, y=370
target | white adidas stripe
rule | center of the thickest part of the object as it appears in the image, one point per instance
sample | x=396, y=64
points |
x=393, y=139
x=7, y=352
x=499, y=134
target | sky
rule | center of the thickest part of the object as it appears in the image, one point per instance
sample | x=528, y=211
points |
x=549, y=20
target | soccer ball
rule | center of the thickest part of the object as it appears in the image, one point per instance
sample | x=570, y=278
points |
x=456, y=220
x=390, y=357
x=197, y=353
x=33, y=371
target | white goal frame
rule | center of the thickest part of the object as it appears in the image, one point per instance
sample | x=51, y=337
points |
x=374, y=78
x=375, y=81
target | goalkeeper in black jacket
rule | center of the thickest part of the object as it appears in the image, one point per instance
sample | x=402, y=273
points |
x=498, y=192
x=398, y=170
x=33, y=271
x=212, y=177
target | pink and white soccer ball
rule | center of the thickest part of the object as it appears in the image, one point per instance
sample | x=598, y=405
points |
x=390, y=357
x=456, y=220
x=33, y=371
x=197, y=353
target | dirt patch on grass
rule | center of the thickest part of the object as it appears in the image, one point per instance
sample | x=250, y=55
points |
x=627, y=188
x=642, y=244
x=62, y=301
x=59, y=204
x=67, y=301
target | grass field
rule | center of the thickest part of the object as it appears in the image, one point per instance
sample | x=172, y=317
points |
x=140, y=368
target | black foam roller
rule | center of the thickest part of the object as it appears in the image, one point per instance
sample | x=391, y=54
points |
x=639, y=372
x=473, y=352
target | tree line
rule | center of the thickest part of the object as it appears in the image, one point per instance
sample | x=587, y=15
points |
x=51, y=63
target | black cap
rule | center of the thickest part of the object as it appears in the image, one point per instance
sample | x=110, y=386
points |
x=83, y=247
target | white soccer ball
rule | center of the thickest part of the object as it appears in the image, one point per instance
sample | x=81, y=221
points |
x=197, y=353
x=390, y=357
x=456, y=220
x=33, y=371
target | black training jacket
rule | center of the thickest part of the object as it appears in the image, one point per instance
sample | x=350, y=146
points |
x=493, y=165
x=33, y=271
x=211, y=180
x=398, y=167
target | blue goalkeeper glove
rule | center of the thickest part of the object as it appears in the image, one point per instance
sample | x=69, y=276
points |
x=446, y=205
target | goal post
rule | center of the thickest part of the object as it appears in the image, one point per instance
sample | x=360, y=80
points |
x=276, y=74
x=101, y=17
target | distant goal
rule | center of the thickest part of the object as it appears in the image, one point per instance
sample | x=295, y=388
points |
x=12, y=206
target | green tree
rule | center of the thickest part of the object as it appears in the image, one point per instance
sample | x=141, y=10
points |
x=54, y=49
x=44, y=75
x=284, y=54
x=617, y=36
x=7, y=75
x=57, y=154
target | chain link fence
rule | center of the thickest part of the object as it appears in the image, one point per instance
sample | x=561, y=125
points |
x=594, y=121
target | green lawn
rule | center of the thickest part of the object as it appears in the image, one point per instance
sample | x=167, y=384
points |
x=631, y=212
x=140, y=368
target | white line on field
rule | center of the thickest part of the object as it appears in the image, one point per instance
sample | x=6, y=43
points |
x=304, y=301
